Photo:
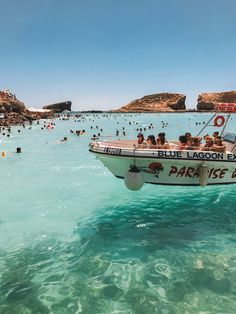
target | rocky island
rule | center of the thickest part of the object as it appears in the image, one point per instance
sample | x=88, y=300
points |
x=163, y=102
x=59, y=107
x=172, y=102
x=13, y=111
x=207, y=101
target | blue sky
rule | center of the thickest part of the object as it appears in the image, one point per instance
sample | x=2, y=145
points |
x=101, y=54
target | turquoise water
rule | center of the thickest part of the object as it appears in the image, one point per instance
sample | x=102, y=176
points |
x=74, y=240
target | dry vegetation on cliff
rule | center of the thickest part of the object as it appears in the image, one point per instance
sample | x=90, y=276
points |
x=207, y=101
x=163, y=102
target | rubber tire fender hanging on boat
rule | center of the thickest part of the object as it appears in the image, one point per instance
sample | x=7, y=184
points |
x=134, y=179
x=203, y=175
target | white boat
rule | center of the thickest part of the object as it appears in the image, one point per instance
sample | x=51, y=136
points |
x=169, y=166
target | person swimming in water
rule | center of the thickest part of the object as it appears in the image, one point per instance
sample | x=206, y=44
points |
x=64, y=139
x=94, y=137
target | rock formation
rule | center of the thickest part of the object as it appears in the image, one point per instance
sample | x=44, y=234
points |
x=207, y=101
x=15, y=112
x=9, y=103
x=59, y=107
x=163, y=102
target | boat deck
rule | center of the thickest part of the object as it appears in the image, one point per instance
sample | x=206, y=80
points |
x=131, y=144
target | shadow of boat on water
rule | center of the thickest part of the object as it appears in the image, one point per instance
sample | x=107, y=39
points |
x=153, y=224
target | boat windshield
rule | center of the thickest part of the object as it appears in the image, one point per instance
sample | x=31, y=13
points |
x=229, y=138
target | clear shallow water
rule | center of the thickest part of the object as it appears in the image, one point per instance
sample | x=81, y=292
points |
x=74, y=240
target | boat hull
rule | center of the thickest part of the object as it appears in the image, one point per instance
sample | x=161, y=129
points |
x=170, y=167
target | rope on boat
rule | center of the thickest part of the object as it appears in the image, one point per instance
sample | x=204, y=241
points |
x=225, y=124
x=134, y=151
x=207, y=124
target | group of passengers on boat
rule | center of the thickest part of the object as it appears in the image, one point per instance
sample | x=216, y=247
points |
x=186, y=142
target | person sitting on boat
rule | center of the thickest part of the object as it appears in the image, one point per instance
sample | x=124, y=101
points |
x=209, y=143
x=182, y=142
x=151, y=142
x=215, y=134
x=161, y=141
x=188, y=135
x=218, y=145
x=141, y=141
x=193, y=143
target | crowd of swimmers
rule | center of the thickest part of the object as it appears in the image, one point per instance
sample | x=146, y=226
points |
x=78, y=132
x=186, y=142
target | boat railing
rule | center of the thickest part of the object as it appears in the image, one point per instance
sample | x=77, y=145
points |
x=132, y=145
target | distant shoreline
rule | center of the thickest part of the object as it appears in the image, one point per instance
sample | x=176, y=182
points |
x=146, y=112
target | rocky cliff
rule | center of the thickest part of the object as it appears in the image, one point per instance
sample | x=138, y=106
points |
x=207, y=101
x=163, y=102
x=9, y=103
x=14, y=111
x=59, y=107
